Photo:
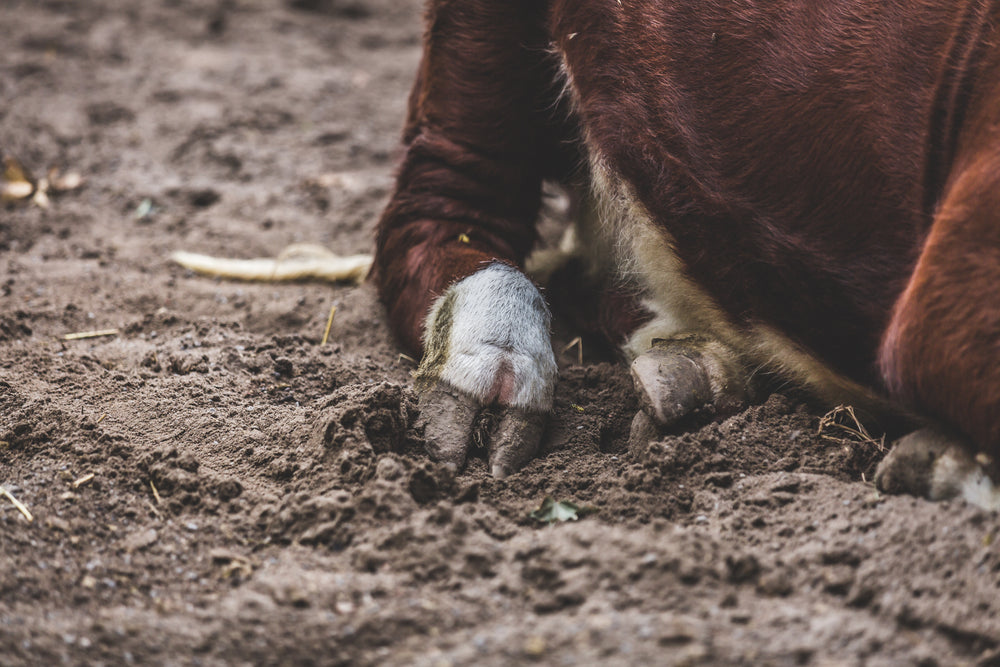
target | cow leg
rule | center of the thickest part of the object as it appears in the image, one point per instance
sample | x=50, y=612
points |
x=941, y=352
x=479, y=140
x=685, y=354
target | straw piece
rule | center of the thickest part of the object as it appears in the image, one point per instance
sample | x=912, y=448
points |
x=287, y=266
x=578, y=343
x=83, y=480
x=90, y=334
x=329, y=323
x=17, y=503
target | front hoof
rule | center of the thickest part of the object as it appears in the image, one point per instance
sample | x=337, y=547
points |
x=487, y=347
x=447, y=416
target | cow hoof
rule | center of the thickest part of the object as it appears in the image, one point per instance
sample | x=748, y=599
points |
x=447, y=417
x=687, y=377
x=642, y=432
x=932, y=464
x=515, y=441
x=487, y=348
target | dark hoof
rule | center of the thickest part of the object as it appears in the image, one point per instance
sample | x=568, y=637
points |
x=516, y=441
x=642, y=432
x=687, y=377
x=449, y=418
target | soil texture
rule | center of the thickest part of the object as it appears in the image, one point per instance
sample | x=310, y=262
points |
x=212, y=485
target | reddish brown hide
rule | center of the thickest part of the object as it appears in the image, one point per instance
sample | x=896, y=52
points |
x=480, y=138
x=803, y=156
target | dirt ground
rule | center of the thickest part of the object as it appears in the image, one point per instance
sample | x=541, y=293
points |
x=295, y=519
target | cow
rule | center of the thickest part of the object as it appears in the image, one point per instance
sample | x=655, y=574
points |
x=795, y=193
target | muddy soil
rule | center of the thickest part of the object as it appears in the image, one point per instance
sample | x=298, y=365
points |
x=214, y=486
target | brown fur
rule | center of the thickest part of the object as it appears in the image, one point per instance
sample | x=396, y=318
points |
x=825, y=169
x=479, y=141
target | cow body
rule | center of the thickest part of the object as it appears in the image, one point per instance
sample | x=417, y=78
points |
x=810, y=185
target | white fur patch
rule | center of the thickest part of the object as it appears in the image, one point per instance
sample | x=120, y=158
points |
x=498, y=339
x=979, y=490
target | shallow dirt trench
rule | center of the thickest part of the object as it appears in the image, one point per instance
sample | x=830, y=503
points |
x=259, y=498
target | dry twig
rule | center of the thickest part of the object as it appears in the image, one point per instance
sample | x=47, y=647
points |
x=831, y=427
x=83, y=480
x=578, y=342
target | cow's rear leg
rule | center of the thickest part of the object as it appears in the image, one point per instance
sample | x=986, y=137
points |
x=941, y=352
x=683, y=349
